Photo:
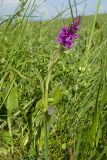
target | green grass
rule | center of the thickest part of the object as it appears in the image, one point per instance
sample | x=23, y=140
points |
x=76, y=101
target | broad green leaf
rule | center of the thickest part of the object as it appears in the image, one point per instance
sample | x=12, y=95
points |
x=96, y=115
x=12, y=100
x=41, y=139
x=56, y=93
x=6, y=137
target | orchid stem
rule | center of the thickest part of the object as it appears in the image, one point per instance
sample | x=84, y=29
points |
x=52, y=62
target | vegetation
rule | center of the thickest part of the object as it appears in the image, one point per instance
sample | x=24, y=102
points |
x=75, y=108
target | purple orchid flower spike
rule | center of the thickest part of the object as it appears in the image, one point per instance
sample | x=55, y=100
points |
x=67, y=35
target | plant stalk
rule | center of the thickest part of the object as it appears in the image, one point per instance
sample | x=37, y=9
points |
x=52, y=62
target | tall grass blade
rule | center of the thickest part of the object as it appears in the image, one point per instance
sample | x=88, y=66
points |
x=93, y=26
x=70, y=7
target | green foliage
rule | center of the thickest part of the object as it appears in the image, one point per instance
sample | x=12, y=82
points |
x=77, y=92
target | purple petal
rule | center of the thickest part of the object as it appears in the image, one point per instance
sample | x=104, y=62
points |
x=75, y=36
x=65, y=28
x=59, y=40
x=68, y=34
x=68, y=45
x=68, y=39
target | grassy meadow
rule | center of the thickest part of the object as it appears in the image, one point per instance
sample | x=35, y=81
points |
x=59, y=114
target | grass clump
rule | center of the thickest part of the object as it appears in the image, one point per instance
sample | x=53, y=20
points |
x=77, y=92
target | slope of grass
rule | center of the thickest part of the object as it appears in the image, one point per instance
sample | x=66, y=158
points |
x=77, y=92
